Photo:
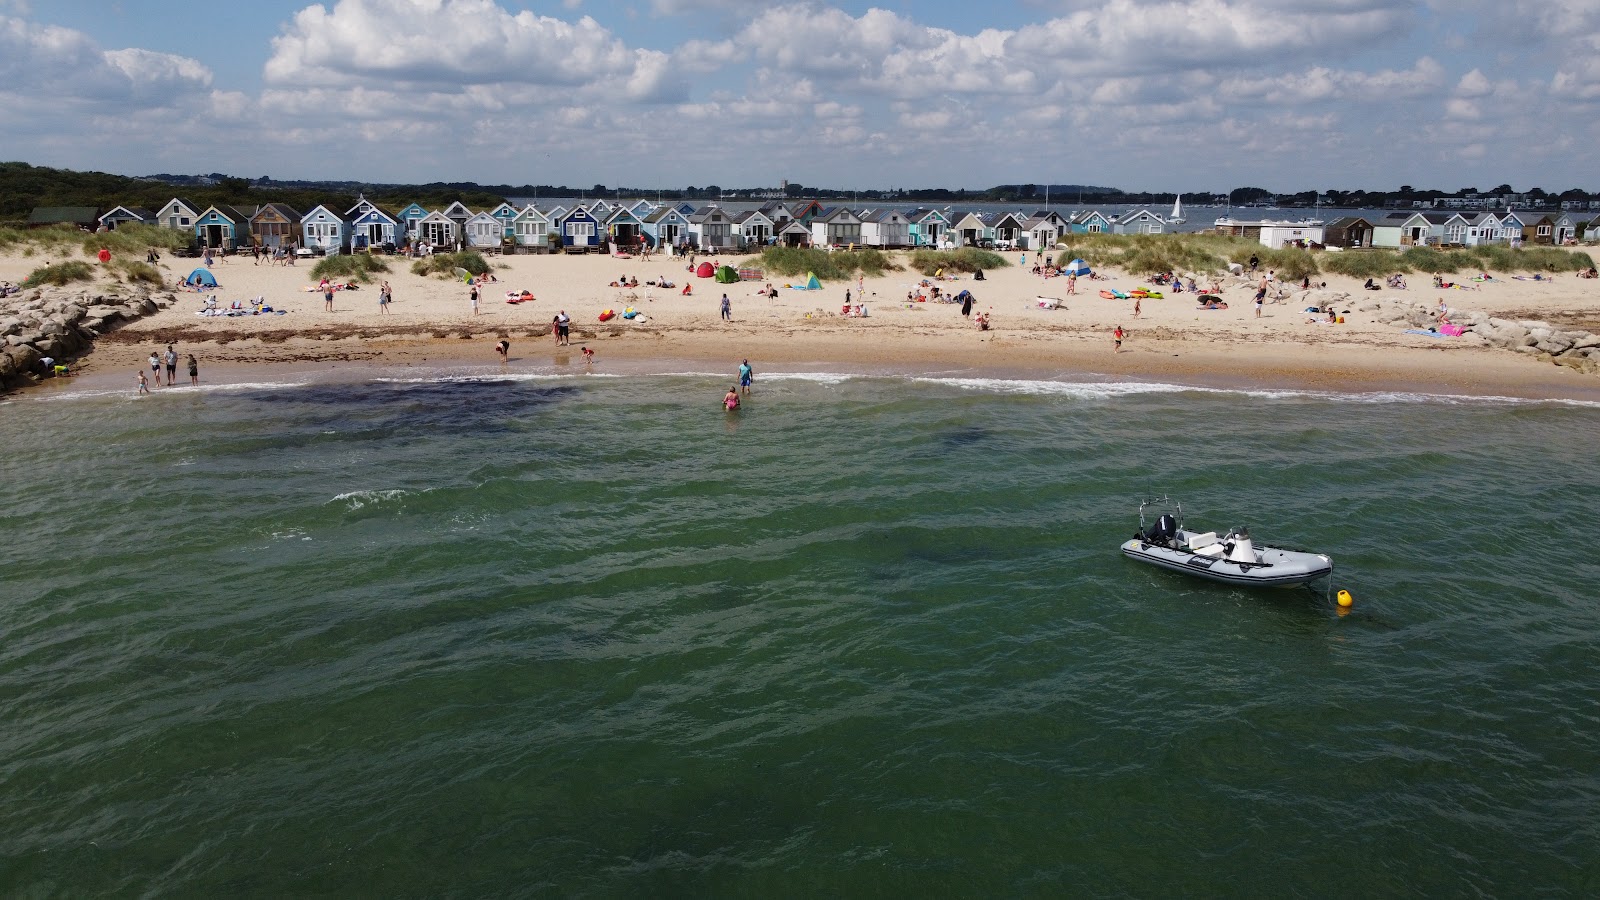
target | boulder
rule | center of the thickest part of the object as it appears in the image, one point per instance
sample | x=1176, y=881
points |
x=1585, y=341
x=23, y=357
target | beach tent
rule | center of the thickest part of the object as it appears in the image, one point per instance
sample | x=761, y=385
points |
x=705, y=270
x=1076, y=267
x=727, y=275
x=812, y=284
x=201, y=278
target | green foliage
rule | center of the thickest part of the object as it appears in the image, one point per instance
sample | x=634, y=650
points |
x=349, y=266
x=836, y=266
x=60, y=273
x=1364, y=264
x=446, y=264
x=1427, y=259
x=966, y=259
x=55, y=239
x=133, y=239
x=134, y=271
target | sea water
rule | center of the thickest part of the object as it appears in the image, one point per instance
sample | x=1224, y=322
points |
x=869, y=635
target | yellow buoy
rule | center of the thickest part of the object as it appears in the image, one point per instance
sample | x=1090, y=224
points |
x=1345, y=600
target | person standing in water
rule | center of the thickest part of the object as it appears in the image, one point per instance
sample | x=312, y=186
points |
x=194, y=370
x=730, y=400
x=746, y=374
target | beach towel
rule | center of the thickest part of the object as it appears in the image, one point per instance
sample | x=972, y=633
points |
x=1424, y=332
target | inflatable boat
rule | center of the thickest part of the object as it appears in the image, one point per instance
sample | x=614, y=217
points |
x=1231, y=559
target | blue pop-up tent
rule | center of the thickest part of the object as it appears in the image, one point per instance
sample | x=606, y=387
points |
x=201, y=278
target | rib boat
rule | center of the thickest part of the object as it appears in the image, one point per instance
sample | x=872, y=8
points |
x=1232, y=558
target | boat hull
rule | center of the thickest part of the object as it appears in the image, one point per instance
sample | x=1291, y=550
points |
x=1278, y=568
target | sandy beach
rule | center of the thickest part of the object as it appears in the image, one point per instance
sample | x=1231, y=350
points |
x=431, y=322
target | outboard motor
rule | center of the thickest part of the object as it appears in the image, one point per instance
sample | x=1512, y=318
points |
x=1164, y=531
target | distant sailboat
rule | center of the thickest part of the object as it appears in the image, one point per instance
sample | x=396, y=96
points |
x=1177, y=210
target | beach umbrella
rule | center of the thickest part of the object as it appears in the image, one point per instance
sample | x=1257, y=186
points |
x=1077, y=267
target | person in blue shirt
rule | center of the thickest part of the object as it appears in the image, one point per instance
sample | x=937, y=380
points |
x=745, y=375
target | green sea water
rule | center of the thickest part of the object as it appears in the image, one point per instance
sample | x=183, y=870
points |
x=483, y=636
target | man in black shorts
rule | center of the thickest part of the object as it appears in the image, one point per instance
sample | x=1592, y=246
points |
x=564, y=329
x=171, y=359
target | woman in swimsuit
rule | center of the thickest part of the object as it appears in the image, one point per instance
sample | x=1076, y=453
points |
x=730, y=400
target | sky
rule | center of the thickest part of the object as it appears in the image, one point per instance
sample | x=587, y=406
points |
x=1157, y=95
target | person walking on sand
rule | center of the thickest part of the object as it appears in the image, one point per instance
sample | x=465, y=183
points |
x=1072, y=282
x=327, y=295
x=171, y=359
x=727, y=309
x=144, y=384
x=155, y=368
x=746, y=375
x=1136, y=307
x=474, y=297
x=1116, y=339
x=194, y=370
x=384, y=298
x=1258, y=305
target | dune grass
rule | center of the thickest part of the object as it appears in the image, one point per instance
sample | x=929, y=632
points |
x=134, y=271
x=60, y=273
x=966, y=259
x=1363, y=264
x=135, y=240
x=57, y=240
x=446, y=264
x=837, y=266
x=349, y=266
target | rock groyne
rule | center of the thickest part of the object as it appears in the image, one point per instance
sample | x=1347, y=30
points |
x=62, y=324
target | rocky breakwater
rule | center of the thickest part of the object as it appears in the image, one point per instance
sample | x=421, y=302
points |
x=1578, y=350
x=62, y=324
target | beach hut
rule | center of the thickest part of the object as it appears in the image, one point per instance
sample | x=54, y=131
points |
x=641, y=208
x=122, y=214
x=1044, y=229
x=410, y=218
x=836, y=227
x=222, y=227
x=794, y=233
x=928, y=227
x=600, y=209
x=754, y=227
x=1138, y=221
x=1282, y=233
x=531, y=230
x=506, y=215
x=667, y=226
x=374, y=228
x=624, y=229
x=85, y=217
x=483, y=231
x=580, y=231
x=778, y=213
x=1419, y=229
x=1010, y=231
x=1483, y=228
x=325, y=230
x=973, y=229
x=556, y=214
x=177, y=213
x=274, y=225
x=711, y=229
x=1537, y=228
x=1089, y=221
x=1512, y=228
x=1350, y=232
x=438, y=230
x=1453, y=233
x=458, y=213
x=1386, y=230
x=1564, y=229
x=886, y=229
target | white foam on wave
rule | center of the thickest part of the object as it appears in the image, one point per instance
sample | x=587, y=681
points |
x=1100, y=390
x=182, y=390
x=490, y=377
x=355, y=500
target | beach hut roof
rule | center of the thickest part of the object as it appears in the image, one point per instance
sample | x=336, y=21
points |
x=227, y=212
x=64, y=215
x=282, y=209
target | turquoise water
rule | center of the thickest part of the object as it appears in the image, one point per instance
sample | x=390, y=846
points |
x=871, y=636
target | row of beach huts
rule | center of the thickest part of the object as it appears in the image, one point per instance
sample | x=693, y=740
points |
x=597, y=225
x=600, y=225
